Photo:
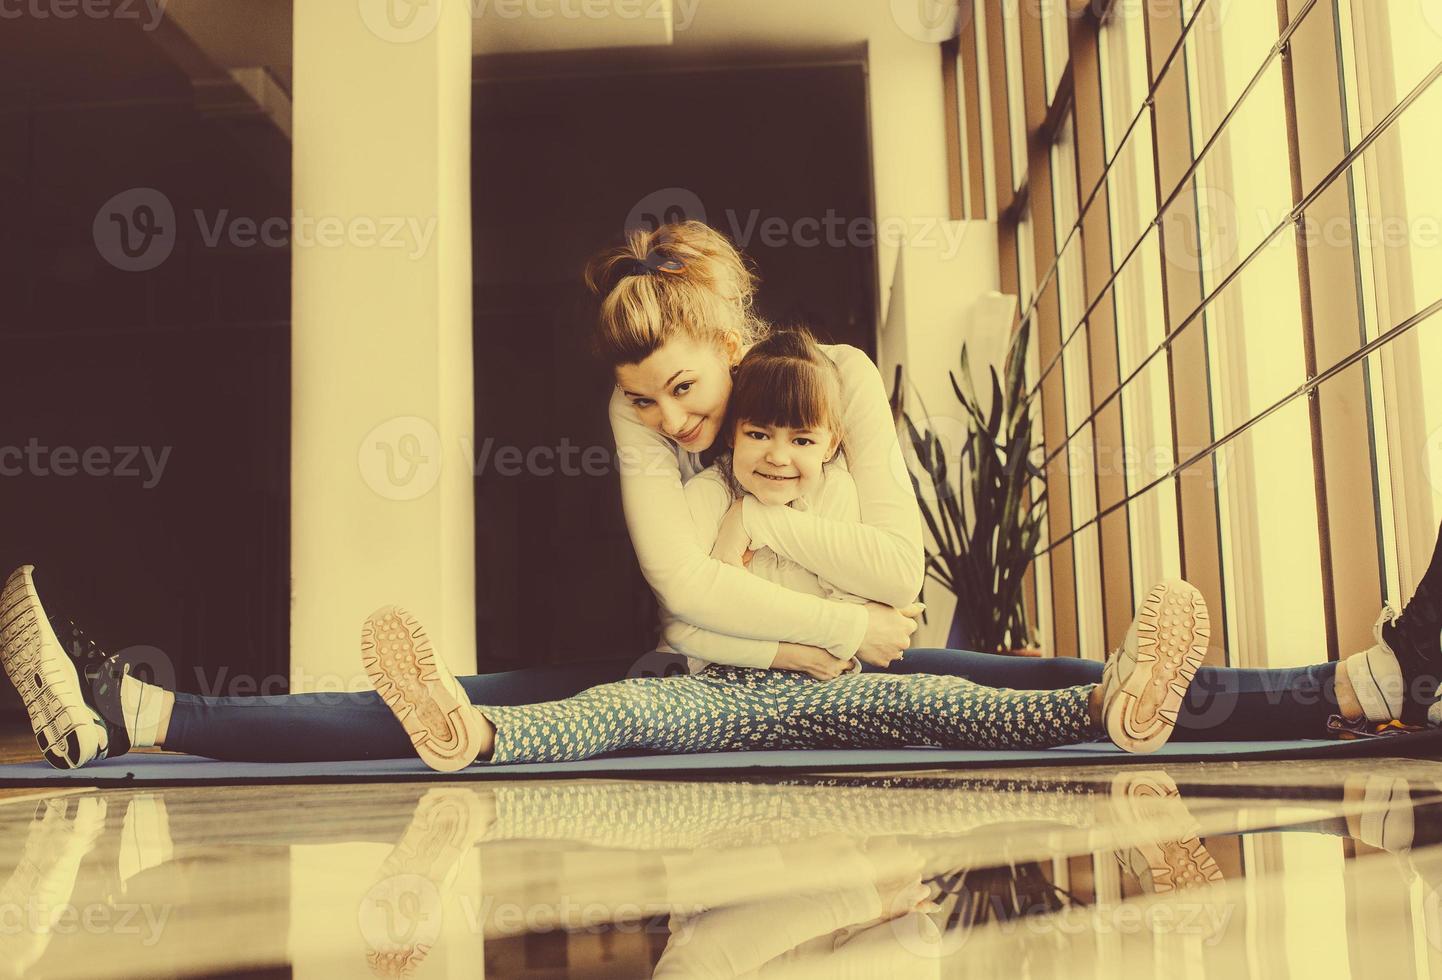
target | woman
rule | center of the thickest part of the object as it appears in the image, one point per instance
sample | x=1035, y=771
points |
x=676, y=316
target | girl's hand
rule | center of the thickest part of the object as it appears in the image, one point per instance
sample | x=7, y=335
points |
x=808, y=660
x=733, y=544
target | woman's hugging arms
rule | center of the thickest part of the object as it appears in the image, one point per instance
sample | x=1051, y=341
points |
x=715, y=517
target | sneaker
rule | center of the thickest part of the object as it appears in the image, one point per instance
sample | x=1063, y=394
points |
x=1145, y=680
x=1414, y=637
x=401, y=916
x=71, y=690
x=62, y=833
x=1176, y=862
x=445, y=728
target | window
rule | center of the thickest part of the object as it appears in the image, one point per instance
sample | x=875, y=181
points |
x=1015, y=94
x=1076, y=377
x=1387, y=51
x=1123, y=62
x=1055, y=25
x=1242, y=194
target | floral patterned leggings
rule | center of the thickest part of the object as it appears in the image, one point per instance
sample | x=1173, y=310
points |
x=725, y=709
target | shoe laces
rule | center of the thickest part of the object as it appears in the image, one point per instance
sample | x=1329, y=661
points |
x=1388, y=617
x=89, y=657
x=80, y=646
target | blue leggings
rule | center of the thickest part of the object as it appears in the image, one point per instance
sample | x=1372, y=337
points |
x=725, y=709
x=1223, y=704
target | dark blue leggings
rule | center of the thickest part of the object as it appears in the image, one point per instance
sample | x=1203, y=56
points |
x=1222, y=705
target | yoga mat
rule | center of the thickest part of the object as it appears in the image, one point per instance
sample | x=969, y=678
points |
x=170, y=769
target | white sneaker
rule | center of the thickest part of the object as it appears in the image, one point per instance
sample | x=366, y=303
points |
x=1180, y=860
x=402, y=914
x=1146, y=678
x=67, y=731
x=445, y=728
x=64, y=830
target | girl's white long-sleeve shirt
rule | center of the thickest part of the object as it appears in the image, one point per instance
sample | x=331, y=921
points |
x=709, y=498
x=879, y=558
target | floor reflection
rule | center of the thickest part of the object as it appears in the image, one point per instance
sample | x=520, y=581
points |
x=1259, y=870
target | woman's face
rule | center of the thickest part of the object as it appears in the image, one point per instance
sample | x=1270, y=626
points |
x=680, y=390
x=777, y=465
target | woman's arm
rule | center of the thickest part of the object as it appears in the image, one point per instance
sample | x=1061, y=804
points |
x=691, y=584
x=709, y=501
x=882, y=557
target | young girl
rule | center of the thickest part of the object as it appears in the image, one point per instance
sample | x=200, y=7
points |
x=784, y=429
x=786, y=377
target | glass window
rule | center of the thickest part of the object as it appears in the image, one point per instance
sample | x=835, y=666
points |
x=1147, y=452
x=1271, y=557
x=1224, y=49
x=1026, y=278
x=1242, y=193
x=1387, y=49
x=1125, y=82
x=1243, y=186
x=1015, y=94
x=1132, y=191
x=1076, y=377
x=1055, y=24
x=988, y=143
x=1390, y=48
x=1026, y=264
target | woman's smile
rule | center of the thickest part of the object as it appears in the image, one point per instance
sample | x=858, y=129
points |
x=691, y=434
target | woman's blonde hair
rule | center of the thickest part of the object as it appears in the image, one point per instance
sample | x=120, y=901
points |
x=682, y=278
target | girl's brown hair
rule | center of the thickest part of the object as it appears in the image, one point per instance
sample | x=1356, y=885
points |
x=684, y=278
x=786, y=381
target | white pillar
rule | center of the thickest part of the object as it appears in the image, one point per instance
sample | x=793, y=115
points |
x=382, y=503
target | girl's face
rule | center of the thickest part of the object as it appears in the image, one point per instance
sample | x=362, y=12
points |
x=681, y=389
x=777, y=465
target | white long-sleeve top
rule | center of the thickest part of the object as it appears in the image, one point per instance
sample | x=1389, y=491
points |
x=708, y=497
x=880, y=557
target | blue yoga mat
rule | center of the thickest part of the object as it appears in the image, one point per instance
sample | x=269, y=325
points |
x=172, y=769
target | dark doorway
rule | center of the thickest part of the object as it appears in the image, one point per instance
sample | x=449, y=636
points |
x=150, y=406
x=766, y=155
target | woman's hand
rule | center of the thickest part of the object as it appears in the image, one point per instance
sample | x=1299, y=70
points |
x=888, y=633
x=733, y=544
x=808, y=660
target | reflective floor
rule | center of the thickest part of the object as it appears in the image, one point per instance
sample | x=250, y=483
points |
x=1252, y=870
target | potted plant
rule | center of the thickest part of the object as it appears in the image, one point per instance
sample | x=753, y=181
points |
x=985, y=525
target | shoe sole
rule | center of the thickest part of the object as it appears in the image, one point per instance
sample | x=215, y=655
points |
x=417, y=877
x=65, y=729
x=1165, y=865
x=1173, y=630
x=397, y=657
